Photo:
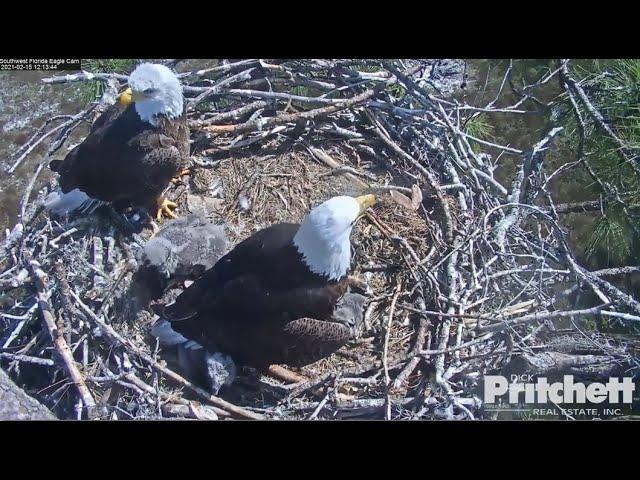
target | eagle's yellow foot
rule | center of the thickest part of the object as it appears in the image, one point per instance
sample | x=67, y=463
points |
x=178, y=177
x=165, y=209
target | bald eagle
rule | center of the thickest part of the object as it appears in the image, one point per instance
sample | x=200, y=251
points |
x=273, y=298
x=133, y=150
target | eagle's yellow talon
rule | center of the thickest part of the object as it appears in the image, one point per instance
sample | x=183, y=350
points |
x=164, y=209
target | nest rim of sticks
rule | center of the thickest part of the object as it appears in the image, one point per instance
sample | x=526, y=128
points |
x=436, y=254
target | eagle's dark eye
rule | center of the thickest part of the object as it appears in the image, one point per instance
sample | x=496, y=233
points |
x=149, y=90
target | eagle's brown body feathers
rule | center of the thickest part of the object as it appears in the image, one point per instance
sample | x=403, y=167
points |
x=262, y=305
x=124, y=160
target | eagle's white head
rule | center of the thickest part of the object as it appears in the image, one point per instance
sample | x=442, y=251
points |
x=323, y=236
x=156, y=90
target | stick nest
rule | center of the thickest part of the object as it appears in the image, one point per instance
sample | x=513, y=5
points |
x=458, y=284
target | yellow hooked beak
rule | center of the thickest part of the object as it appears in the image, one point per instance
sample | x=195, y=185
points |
x=365, y=201
x=129, y=96
x=126, y=97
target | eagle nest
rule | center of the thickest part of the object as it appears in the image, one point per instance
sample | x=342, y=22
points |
x=460, y=282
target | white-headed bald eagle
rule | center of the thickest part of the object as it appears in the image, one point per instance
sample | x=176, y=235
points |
x=133, y=150
x=272, y=299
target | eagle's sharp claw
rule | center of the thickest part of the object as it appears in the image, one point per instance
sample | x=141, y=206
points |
x=165, y=209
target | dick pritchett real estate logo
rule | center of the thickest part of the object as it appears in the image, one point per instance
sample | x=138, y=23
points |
x=568, y=398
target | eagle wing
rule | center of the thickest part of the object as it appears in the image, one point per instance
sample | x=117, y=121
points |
x=123, y=159
x=307, y=340
x=249, y=303
x=238, y=269
x=288, y=303
x=262, y=276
